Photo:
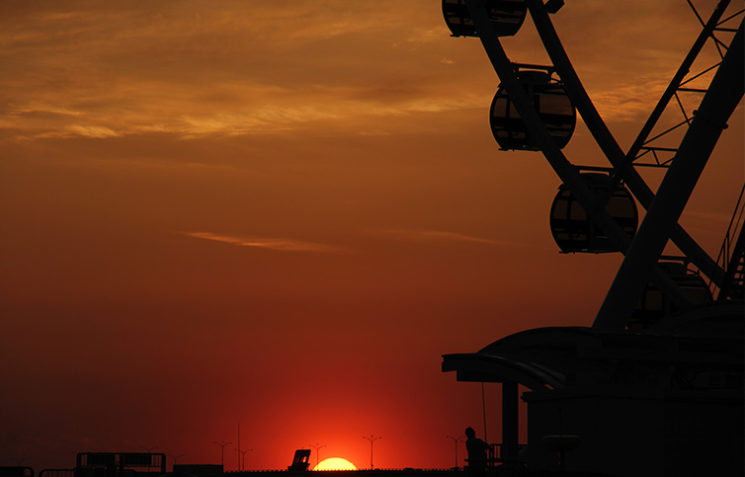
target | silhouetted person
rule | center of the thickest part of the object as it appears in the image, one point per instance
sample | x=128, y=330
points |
x=476, y=453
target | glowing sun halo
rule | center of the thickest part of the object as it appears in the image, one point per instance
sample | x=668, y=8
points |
x=335, y=463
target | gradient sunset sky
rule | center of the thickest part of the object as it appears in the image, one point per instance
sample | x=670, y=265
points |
x=283, y=213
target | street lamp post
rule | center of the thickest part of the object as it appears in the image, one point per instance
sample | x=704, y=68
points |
x=243, y=453
x=318, y=447
x=222, y=445
x=455, y=448
x=175, y=459
x=372, y=440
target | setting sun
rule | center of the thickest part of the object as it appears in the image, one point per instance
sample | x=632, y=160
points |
x=335, y=463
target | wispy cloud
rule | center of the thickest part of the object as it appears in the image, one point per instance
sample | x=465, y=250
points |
x=103, y=70
x=440, y=235
x=98, y=72
x=253, y=109
x=628, y=101
x=272, y=243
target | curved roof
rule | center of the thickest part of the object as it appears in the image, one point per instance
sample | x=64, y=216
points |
x=544, y=358
x=483, y=367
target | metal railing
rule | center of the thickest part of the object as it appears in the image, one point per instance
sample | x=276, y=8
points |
x=733, y=230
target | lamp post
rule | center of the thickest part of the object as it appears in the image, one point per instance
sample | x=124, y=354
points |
x=175, y=459
x=317, y=447
x=372, y=440
x=222, y=445
x=456, y=440
x=243, y=453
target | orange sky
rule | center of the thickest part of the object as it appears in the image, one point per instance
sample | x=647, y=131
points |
x=282, y=213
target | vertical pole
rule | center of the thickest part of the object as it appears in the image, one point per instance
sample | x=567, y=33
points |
x=372, y=439
x=483, y=410
x=175, y=460
x=455, y=448
x=455, y=445
x=243, y=454
x=509, y=420
x=318, y=448
x=222, y=445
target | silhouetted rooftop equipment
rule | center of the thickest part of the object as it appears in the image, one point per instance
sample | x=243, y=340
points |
x=106, y=464
x=18, y=471
x=552, y=104
x=300, y=460
x=199, y=470
x=57, y=473
x=653, y=304
x=573, y=230
x=506, y=16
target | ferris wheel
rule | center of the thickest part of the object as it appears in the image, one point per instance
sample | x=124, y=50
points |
x=595, y=210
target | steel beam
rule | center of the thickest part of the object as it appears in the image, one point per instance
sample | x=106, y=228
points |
x=725, y=92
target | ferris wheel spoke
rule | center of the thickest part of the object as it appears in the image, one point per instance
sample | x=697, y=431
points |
x=564, y=67
x=677, y=82
x=722, y=22
x=607, y=142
